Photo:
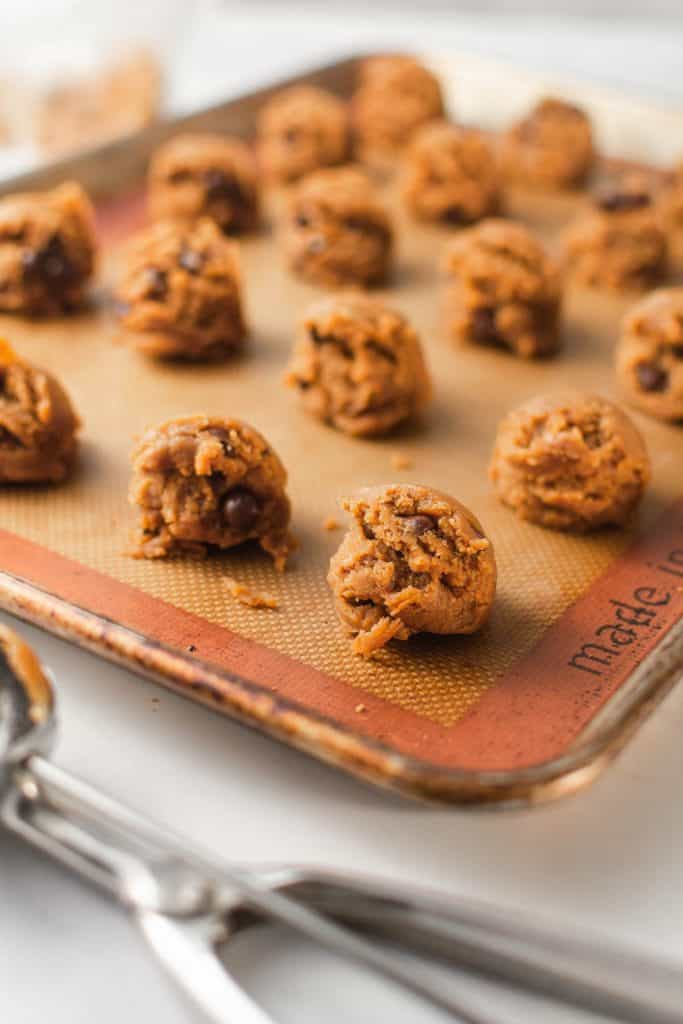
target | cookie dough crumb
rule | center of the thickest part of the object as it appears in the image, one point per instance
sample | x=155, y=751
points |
x=191, y=648
x=204, y=483
x=400, y=461
x=202, y=175
x=249, y=597
x=619, y=244
x=47, y=250
x=414, y=560
x=504, y=290
x=650, y=354
x=300, y=130
x=571, y=462
x=551, y=147
x=330, y=523
x=180, y=295
x=451, y=175
x=337, y=232
x=38, y=424
x=358, y=365
x=360, y=708
x=395, y=96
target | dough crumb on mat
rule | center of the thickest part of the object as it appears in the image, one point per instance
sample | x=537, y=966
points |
x=360, y=709
x=251, y=598
x=399, y=460
x=330, y=523
x=369, y=643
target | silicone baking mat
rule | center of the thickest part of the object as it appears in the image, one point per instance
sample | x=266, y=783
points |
x=531, y=706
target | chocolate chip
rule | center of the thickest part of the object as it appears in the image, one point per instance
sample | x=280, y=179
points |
x=483, y=325
x=190, y=260
x=241, y=509
x=191, y=648
x=381, y=350
x=454, y=215
x=179, y=177
x=156, y=283
x=301, y=220
x=677, y=351
x=330, y=339
x=51, y=264
x=291, y=135
x=221, y=187
x=618, y=202
x=651, y=378
x=418, y=524
x=222, y=435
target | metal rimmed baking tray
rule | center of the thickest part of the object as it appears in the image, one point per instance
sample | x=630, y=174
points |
x=525, y=710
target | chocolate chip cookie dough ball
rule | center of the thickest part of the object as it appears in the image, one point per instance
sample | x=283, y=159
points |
x=451, y=175
x=38, y=425
x=574, y=462
x=358, y=365
x=208, y=482
x=396, y=95
x=650, y=354
x=47, y=250
x=503, y=290
x=180, y=293
x=414, y=560
x=300, y=130
x=620, y=244
x=336, y=232
x=214, y=176
x=552, y=147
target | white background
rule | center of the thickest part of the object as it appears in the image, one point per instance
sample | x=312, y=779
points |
x=608, y=860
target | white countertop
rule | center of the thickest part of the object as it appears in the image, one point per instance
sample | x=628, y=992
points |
x=608, y=860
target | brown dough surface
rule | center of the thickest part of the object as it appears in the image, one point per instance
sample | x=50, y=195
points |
x=450, y=175
x=650, y=354
x=300, y=130
x=38, y=425
x=47, y=250
x=619, y=244
x=551, y=147
x=671, y=199
x=358, y=365
x=203, y=482
x=201, y=175
x=573, y=462
x=180, y=292
x=503, y=290
x=414, y=560
x=336, y=231
x=395, y=96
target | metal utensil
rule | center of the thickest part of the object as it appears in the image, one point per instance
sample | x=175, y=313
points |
x=188, y=904
x=180, y=896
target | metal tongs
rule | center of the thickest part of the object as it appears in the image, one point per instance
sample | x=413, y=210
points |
x=189, y=903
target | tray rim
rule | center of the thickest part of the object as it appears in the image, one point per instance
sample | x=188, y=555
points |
x=294, y=723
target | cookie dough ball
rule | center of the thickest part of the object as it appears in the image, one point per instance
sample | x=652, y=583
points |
x=300, y=130
x=414, y=560
x=180, y=292
x=208, y=482
x=503, y=290
x=358, y=365
x=336, y=232
x=551, y=147
x=396, y=95
x=38, y=425
x=620, y=243
x=214, y=176
x=451, y=175
x=574, y=462
x=650, y=354
x=47, y=250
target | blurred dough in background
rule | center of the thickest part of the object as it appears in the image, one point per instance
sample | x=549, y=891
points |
x=120, y=99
